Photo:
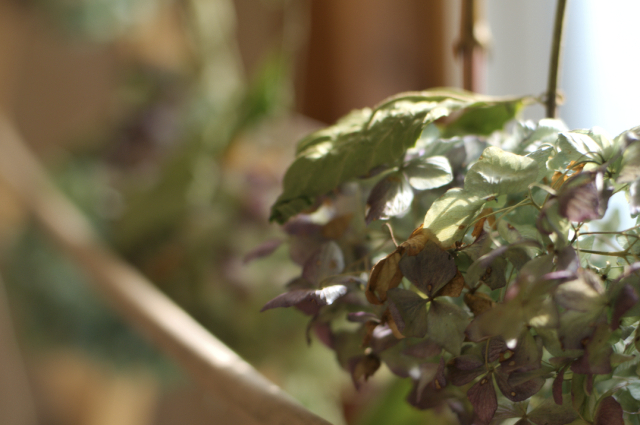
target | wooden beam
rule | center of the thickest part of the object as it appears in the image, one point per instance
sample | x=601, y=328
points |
x=209, y=362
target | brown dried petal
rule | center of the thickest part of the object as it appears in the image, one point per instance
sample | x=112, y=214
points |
x=453, y=288
x=483, y=399
x=478, y=303
x=609, y=412
x=385, y=275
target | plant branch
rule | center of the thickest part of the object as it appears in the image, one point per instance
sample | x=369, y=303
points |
x=607, y=253
x=622, y=232
x=212, y=364
x=554, y=62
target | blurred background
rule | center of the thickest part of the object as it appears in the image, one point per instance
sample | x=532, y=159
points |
x=170, y=123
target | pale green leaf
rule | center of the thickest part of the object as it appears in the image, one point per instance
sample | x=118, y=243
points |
x=541, y=156
x=429, y=173
x=500, y=173
x=450, y=214
x=549, y=413
x=484, y=118
x=582, y=145
x=634, y=197
x=630, y=170
x=446, y=325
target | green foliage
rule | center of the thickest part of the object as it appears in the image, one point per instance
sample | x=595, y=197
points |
x=499, y=289
x=369, y=138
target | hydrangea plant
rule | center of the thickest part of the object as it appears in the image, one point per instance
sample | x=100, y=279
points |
x=496, y=304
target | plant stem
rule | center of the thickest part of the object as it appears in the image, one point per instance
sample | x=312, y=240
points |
x=608, y=253
x=554, y=63
x=622, y=232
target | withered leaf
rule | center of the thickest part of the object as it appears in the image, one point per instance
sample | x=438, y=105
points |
x=337, y=226
x=417, y=241
x=453, y=288
x=478, y=302
x=385, y=275
x=430, y=269
x=409, y=312
x=362, y=367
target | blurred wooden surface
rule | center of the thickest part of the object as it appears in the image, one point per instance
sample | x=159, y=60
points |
x=17, y=406
x=361, y=52
x=207, y=360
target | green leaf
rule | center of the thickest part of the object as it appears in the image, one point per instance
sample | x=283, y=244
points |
x=630, y=240
x=634, y=197
x=549, y=413
x=547, y=131
x=366, y=139
x=582, y=145
x=634, y=388
x=579, y=295
x=446, y=324
x=630, y=170
x=500, y=173
x=627, y=401
x=541, y=156
x=429, y=173
x=450, y=214
x=484, y=119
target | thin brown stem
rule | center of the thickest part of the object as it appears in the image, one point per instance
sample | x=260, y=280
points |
x=554, y=63
x=393, y=238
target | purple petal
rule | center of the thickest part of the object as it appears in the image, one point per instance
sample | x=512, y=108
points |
x=319, y=297
x=262, y=250
x=382, y=339
x=326, y=261
x=519, y=392
x=557, y=386
x=361, y=317
x=423, y=349
x=483, y=399
x=626, y=299
x=391, y=196
x=609, y=412
x=431, y=269
x=581, y=198
x=409, y=312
